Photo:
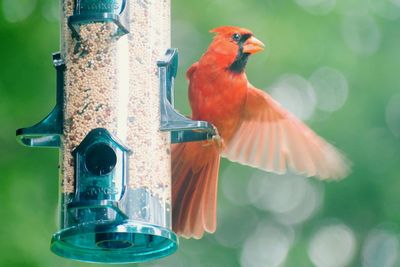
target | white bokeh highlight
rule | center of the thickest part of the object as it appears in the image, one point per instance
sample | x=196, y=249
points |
x=296, y=94
x=17, y=10
x=268, y=246
x=381, y=249
x=308, y=205
x=291, y=199
x=361, y=34
x=332, y=246
x=331, y=88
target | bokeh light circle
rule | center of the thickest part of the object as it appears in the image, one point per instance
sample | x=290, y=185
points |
x=332, y=246
x=292, y=199
x=381, y=249
x=361, y=34
x=269, y=246
x=330, y=87
x=306, y=207
x=296, y=94
x=16, y=11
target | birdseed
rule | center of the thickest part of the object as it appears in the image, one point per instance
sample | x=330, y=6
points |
x=112, y=83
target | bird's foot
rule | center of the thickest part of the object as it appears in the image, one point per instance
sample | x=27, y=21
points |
x=216, y=139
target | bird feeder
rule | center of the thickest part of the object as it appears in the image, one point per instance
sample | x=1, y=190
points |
x=114, y=122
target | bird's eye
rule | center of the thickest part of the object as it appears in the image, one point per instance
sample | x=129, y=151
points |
x=236, y=37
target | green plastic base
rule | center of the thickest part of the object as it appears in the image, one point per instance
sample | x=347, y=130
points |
x=127, y=242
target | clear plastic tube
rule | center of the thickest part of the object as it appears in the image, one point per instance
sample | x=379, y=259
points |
x=115, y=162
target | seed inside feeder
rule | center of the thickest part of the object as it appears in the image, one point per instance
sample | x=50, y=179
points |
x=112, y=83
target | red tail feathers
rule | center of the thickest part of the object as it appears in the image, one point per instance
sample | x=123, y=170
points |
x=194, y=188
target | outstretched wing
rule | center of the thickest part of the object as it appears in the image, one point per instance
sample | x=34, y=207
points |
x=272, y=139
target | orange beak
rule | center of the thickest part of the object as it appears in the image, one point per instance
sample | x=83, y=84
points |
x=253, y=45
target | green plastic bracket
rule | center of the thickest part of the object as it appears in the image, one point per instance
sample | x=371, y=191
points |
x=47, y=132
x=182, y=128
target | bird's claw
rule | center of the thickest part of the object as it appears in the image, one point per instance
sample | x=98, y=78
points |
x=216, y=139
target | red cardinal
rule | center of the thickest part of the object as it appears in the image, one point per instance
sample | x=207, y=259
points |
x=253, y=130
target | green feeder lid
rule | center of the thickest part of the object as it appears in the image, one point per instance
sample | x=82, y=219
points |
x=92, y=11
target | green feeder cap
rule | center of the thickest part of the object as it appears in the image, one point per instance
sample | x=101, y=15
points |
x=92, y=11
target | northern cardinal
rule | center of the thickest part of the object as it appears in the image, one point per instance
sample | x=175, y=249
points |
x=253, y=129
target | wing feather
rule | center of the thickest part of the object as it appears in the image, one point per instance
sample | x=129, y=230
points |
x=272, y=139
x=194, y=188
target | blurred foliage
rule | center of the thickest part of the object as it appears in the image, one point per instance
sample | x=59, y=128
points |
x=358, y=38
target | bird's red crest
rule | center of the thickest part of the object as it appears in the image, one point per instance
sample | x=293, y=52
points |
x=230, y=30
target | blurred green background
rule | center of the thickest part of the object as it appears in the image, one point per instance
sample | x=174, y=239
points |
x=334, y=63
